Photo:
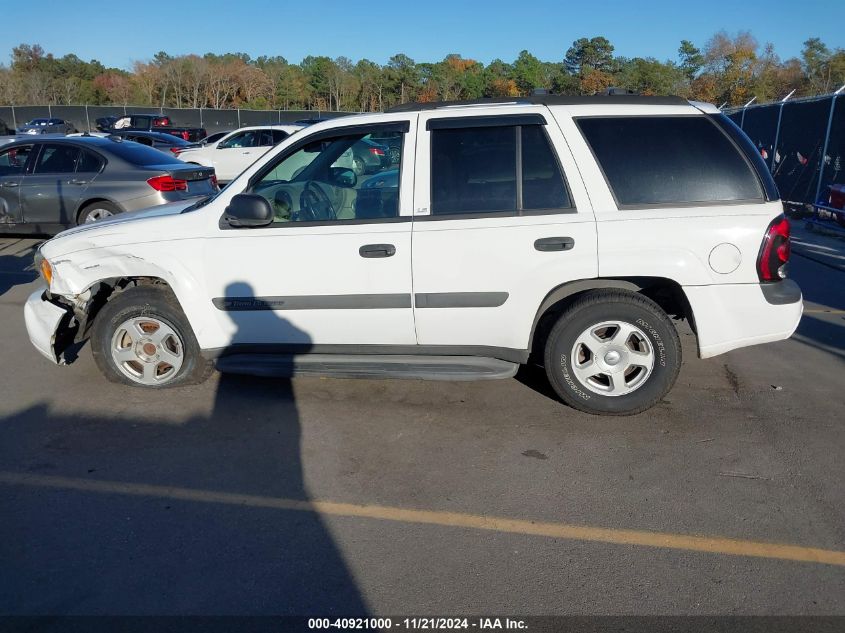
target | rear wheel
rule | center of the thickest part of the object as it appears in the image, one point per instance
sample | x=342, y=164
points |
x=613, y=352
x=142, y=338
x=96, y=211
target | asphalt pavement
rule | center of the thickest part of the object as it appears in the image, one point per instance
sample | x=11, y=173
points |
x=345, y=497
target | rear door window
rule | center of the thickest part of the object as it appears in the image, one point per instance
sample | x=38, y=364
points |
x=89, y=162
x=57, y=159
x=543, y=186
x=669, y=160
x=473, y=170
x=265, y=138
x=495, y=169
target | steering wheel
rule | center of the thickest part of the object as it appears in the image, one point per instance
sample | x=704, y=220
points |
x=315, y=204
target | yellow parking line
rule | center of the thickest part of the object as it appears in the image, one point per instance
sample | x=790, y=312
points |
x=708, y=544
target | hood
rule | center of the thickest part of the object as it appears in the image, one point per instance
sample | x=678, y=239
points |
x=122, y=228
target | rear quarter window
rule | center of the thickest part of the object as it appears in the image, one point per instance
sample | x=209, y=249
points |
x=141, y=155
x=669, y=160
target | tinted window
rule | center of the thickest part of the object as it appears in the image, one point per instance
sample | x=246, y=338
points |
x=89, y=162
x=57, y=159
x=143, y=140
x=13, y=160
x=473, y=170
x=542, y=182
x=752, y=153
x=244, y=139
x=333, y=179
x=669, y=160
x=141, y=154
x=279, y=136
x=265, y=138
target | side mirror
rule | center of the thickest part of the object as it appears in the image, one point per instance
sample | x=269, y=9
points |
x=342, y=177
x=248, y=210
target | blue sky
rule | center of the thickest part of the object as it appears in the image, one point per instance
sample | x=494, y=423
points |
x=426, y=31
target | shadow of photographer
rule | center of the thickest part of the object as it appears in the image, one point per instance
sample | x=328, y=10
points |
x=86, y=551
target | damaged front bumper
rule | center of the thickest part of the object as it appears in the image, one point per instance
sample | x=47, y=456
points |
x=50, y=324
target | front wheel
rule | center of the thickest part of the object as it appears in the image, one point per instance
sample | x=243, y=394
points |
x=613, y=352
x=141, y=337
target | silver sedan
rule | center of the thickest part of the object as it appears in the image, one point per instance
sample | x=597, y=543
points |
x=51, y=184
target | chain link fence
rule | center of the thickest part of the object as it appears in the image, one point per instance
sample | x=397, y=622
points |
x=802, y=142
x=84, y=118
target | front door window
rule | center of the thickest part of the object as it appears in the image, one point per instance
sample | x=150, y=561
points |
x=341, y=178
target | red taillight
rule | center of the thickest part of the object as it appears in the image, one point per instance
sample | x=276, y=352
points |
x=168, y=183
x=176, y=150
x=185, y=135
x=214, y=183
x=375, y=151
x=774, y=253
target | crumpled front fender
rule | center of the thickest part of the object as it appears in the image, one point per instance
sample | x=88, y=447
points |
x=49, y=324
x=77, y=274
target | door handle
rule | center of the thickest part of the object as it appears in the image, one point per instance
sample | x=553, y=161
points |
x=377, y=250
x=10, y=184
x=548, y=244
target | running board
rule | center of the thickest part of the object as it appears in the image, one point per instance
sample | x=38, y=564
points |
x=368, y=366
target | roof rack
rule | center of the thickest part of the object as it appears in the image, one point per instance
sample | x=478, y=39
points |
x=548, y=100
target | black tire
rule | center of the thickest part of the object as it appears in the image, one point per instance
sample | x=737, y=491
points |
x=157, y=302
x=593, y=309
x=96, y=207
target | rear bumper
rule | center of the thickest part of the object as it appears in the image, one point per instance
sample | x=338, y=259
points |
x=44, y=322
x=731, y=316
x=781, y=293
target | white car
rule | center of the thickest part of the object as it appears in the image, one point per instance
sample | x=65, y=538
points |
x=563, y=231
x=237, y=150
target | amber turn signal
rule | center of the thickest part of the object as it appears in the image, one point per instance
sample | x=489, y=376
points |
x=46, y=271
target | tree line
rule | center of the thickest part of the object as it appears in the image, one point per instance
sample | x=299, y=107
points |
x=728, y=69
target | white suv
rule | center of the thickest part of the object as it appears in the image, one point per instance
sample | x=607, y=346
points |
x=564, y=231
x=237, y=150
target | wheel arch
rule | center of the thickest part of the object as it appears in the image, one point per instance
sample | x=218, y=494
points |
x=667, y=293
x=89, y=201
x=88, y=285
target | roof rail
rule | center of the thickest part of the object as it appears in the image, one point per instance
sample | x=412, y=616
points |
x=549, y=100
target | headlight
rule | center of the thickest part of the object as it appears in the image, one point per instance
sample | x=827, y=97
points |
x=44, y=268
